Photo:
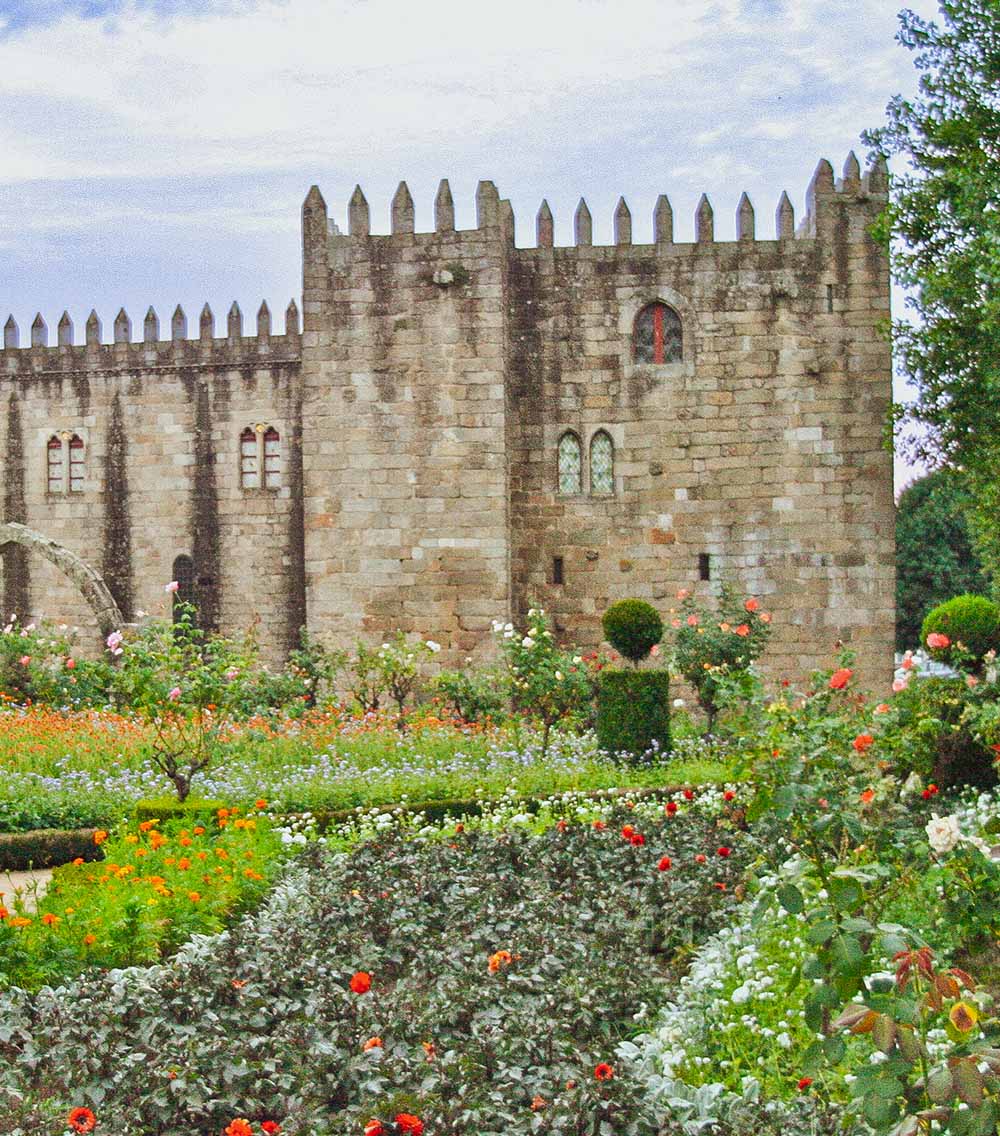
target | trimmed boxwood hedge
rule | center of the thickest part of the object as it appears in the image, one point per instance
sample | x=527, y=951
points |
x=972, y=621
x=633, y=712
x=46, y=848
x=169, y=808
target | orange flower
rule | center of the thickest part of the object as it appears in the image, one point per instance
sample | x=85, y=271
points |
x=372, y=1043
x=198, y=830
x=409, y=1125
x=81, y=1120
x=194, y=896
x=260, y=804
x=501, y=958
x=49, y=919
x=183, y=864
x=840, y=679
x=3, y=912
x=147, y=825
x=20, y=921
x=867, y=796
x=89, y=940
x=743, y=630
x=538, y=1103
x=185, y=842
x=78, y=861
x=429, y=1049
x=863, y=742
x=100, y=836
x=239, y=1127
x=752, y=605
x=604, y=1072
x=361, y=982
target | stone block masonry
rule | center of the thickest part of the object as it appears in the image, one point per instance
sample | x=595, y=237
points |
x=718, y=407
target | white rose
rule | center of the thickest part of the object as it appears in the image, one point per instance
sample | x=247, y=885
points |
x=559, y=676
x=678, y=703
x=432, y=646
x=943, y=833
x=527, y=642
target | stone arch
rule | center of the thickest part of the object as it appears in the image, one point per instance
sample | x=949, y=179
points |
x=91, y=584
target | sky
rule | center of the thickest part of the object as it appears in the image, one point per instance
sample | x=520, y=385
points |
x=155, y=152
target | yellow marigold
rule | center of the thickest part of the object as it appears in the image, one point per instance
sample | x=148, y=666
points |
x=89, y=940
x=194, y=896
x=131, y=838
x=148, y=824
x=100, y=836
x=20, y=921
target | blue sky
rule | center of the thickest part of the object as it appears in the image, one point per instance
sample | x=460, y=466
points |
x=157, y=151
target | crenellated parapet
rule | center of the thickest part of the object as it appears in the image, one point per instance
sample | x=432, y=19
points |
x=826, y=198
x=151, y=353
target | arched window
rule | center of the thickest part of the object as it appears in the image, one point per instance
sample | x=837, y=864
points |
x=76, y=466
x=56, y=465
x=602, y=465
x=570, y=464
x=260, y=457
x=658, y=335
x=249, y=463
x=272, y=458
x=183, y=573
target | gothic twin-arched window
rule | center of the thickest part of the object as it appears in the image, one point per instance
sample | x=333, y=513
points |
x=601, y=468
x=260, y=458
x=65, y=465
x=657, y=336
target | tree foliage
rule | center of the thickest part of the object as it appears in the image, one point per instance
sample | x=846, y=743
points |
x=944, y=216
x=935, y=557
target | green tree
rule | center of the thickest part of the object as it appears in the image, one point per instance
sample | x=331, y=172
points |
x=935, y=558
x=944, y=216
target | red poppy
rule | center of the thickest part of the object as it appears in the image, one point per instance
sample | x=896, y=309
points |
x=723, y=851
x=665, y=864
x=81, y=1120
x=638, y=839
x=840, y=679
x=270, y=1127
x=804, y=1083
x=361, y=983
x=604, y=1072
x=409, y=1124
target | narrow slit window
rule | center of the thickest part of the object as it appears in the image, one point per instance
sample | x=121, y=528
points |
x=56, y=467
x=704, y=566
x=272, y=458
x=76, y=464
x=658, y=335
x=829, y=297
x=557, y=570
x=602, y=465
x=570, y=464
x=249, y=460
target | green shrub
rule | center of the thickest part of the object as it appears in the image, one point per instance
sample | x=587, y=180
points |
x=169, y=808
x=633, y=628
x=633, y=712
x=972, y=625
x=472, y=695
x=46, y=848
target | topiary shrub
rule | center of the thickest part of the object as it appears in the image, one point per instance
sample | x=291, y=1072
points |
x=633, y=712
x=971, y=625
x=169, y=808
x=633, y=628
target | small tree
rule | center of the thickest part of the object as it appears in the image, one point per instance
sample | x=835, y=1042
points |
x=633, y=628
x=711, y=649
x=188, y=685
x=547, y=683
x=398, y=665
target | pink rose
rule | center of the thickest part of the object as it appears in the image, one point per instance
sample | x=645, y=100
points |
x=692, y=621
x=898, y=684
x=175, y=694
x=24, y=660
x=938, y=641
x=70, y=664
x=171, y=587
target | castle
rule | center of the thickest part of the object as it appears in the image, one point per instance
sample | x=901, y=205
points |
x=461, y=428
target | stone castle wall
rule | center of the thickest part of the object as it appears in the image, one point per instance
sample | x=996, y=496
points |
x=420, y=413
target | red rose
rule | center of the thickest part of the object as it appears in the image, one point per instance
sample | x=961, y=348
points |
x=361, y=983
x=638, y=839
x=688, y=794
x=604, y=1072
x=804, y=1083
x=270, y=1127
x=840, y=679
x=862, y=742
x=407, y=1123
x=671, y=808
x=729, y=795
x=665, y=864
x=628, y=832
x=723, y=851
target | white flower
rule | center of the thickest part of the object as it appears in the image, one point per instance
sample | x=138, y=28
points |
x=527, y=642
x=559, y=676
x=171, y=587
x=911, y=786
x=432, y=646
x=678, y=703
x=943, y=833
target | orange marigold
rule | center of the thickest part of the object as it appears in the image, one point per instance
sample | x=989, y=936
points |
x=81, y=1120
x=239, y=1127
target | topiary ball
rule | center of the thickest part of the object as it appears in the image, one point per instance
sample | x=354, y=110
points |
x=633, y=628
x=969, y=622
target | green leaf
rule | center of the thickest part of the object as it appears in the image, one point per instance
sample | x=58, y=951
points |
x=791, y=899
x=940, y=1087
x=834, y=1049
x=821, y=932
x=848, y=956
x=880, y=1111
x=845, y=894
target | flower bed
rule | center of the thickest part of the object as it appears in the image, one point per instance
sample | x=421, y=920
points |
x=503, y=968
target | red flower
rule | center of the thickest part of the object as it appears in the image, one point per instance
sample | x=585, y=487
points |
x=665, y=864
x=604, y=1072
x=742, y=630
x=638, y=839
x=938, y=641
x=361, y=983
x=628, y=832
x=561, y=826
x=374, y=1128
x=863, y=742
x=688, y=794
x=804, y=1083
x=751, y=605
x=723, y=851
x=840, y=679
x=81, y=1120
x=270, y=1127
x=729, y=795
x=927, y=794
x=932, y=789
x=407, y=1123
x=671, y=808
x=700, y=858
x=239, y=1127
x=720, y=886
x=599, y=826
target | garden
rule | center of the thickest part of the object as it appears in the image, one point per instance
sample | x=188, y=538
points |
x=633, y=891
